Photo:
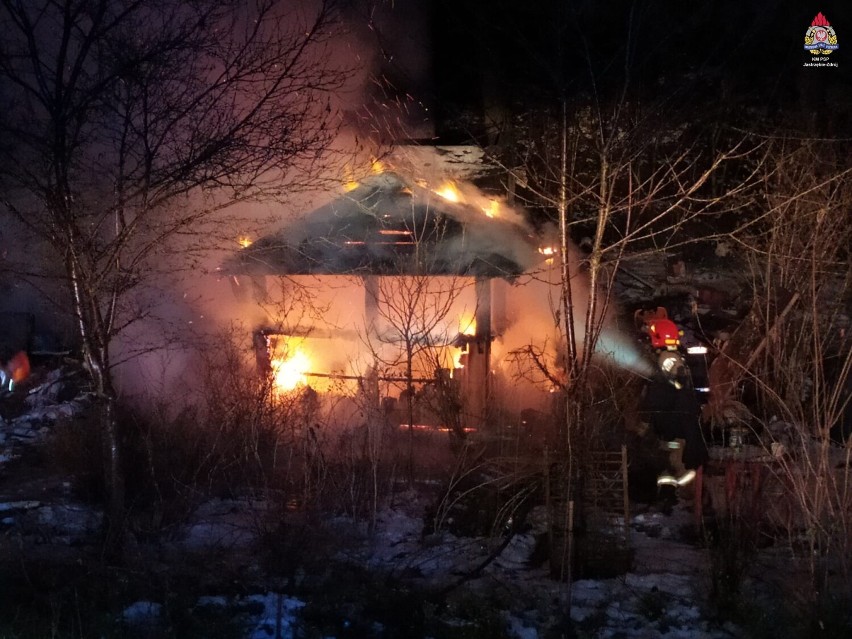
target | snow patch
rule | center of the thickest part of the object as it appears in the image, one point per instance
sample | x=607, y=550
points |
x=278, y=618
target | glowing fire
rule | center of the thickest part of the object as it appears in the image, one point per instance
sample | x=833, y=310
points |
x=493, y=208
x=377, y=166
x=457, y=363
x=547, y=250
x=349, y=181
x=467, y=325
x=449, y=192
x=244, y=241
x=291, y=371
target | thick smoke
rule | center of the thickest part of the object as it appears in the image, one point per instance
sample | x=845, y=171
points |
x=190, y=309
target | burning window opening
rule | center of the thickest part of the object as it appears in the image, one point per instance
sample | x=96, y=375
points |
x=290, y=370
x=291, y=362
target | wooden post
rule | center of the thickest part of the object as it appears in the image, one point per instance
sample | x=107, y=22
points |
x=478, y=367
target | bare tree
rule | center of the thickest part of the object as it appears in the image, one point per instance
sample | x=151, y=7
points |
x=793, y=356
x=129, y=123
x=414, y=317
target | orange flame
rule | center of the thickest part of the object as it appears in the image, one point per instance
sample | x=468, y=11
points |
x=244, y=241
x=493, y=208
x=349, y=181
x=457, y=363
x=290, y=371
x=449, y=192
x=467, y=324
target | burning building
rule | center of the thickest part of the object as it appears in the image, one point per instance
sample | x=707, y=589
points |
x=408, y=288
x=394, y=281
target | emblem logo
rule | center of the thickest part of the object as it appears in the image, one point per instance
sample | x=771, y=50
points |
x=820, y=38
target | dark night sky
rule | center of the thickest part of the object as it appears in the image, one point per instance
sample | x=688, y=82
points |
x=737, y=59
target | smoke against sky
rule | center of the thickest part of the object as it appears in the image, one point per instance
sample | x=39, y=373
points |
x=385, y=99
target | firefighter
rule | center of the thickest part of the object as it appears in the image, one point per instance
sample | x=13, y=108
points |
x=669, y=403
x=671, y=407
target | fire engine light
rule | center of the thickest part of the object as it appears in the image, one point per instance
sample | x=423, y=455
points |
x=703, y=389
x=697, y=350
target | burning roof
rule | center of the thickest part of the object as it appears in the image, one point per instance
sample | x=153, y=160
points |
x=388, y=225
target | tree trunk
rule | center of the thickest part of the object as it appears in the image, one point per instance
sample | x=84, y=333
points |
x=96, y=360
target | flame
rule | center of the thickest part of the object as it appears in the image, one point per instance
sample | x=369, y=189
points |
x=349, y=181
x=449, y=192
x=467, y=324
x=244, y=241
x=291, y=371
x=377, y=166
x=493, y=208
x=457, y=358
x=547, y=250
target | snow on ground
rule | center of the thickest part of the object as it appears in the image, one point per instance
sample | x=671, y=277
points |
x=659, y=598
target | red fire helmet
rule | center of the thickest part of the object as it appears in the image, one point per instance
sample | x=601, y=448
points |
x=663, y=334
